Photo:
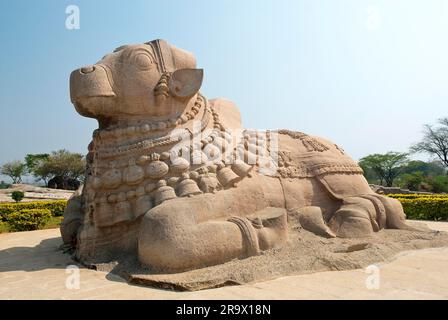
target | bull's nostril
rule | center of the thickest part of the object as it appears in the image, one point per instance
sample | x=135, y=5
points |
x=88, y=69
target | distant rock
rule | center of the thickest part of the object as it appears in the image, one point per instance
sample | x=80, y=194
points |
x=33, y=193
x=394, y=190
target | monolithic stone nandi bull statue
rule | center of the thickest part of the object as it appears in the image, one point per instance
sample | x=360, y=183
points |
x=174, y=179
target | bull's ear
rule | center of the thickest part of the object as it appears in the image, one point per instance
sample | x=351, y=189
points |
x=185, y=83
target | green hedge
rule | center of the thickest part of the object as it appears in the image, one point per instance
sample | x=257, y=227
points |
x=424, y=207
x=28, y=219
x=56, y=207
x=419, y=196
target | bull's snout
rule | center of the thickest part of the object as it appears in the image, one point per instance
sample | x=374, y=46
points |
x=90, y=82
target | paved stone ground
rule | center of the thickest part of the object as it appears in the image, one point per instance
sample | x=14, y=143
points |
x=32, y=268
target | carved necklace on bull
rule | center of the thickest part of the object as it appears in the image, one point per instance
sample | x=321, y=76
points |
x=127, y=173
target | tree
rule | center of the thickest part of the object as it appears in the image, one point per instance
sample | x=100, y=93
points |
x=386, y=166
x=427, y=169
x=35, y=166
x=63, y=165
x=67, y=164
x=14, y=169
x=32, y=160
x=435, y=141
x=17, y=196
x=423, y=176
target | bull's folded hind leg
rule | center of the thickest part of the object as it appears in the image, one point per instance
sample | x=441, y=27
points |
x=361, y=215
x=172, y=240
x=355, y=218
x=395, y=216
x=271, y=227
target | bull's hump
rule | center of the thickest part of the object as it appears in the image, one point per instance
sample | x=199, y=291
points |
x=229, y=113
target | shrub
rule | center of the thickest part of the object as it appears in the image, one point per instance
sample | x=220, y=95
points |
x=28, y=219
x=424, y=206
x=412, y=181
x=56, y=207
x=17, y=196
x=418, y=196
x=438, y=183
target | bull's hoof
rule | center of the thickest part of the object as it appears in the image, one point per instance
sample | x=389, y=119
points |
x=355, y=219
x=266, y=229
x=311, y=219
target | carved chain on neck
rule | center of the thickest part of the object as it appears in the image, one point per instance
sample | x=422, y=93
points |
x=147, y=144
x=153, y=126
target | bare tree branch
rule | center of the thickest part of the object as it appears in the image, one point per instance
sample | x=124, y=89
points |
x=435, y=141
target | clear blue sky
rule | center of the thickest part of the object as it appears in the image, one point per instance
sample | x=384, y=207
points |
x=366, y=74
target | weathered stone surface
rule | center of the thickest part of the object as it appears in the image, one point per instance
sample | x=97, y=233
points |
x=235, y=194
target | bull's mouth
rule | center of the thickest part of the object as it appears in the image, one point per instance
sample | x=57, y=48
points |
x=91, y=90
x=94, y=106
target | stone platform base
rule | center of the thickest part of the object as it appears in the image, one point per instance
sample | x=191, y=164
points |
x=304, y=253
x=32, y=267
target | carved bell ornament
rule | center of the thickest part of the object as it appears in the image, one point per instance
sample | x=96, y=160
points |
x=194, y=175
x=226, y=176
x=209, y=183
x=163, y=192
x=241, y=168
x=188, y=187
x=172, y=182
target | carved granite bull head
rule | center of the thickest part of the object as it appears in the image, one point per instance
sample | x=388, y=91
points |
x=152, y=80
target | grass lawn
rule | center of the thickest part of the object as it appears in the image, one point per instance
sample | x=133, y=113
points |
x=53, y=223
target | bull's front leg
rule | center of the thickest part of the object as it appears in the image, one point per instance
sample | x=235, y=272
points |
x=72, y=219
x=176, y=236
x=361, y=215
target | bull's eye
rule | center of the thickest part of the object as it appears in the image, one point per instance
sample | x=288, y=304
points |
x=143, y=61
